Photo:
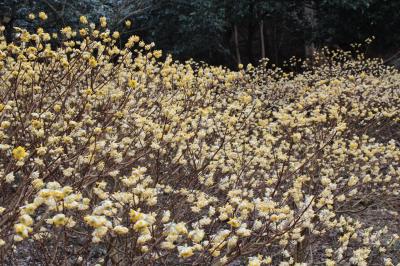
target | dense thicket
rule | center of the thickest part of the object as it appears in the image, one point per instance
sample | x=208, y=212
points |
x=114, y=156
x=205, y=29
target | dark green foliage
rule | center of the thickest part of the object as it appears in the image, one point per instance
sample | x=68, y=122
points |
x=204, y=29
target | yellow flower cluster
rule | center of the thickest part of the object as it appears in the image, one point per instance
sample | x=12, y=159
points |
x=19, y=153
x=113, y=154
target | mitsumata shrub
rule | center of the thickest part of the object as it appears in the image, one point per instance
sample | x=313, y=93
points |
x=111, y=155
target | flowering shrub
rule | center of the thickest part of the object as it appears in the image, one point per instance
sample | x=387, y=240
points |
x=113, y=156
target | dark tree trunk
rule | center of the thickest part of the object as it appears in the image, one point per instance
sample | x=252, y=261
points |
x=250, y=34
x=238, y=59
x=8, y=33
x=8, y=22
x=249, y=45
x=311, y=18
x=262, y=39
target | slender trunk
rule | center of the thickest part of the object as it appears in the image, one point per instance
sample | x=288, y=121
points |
x=250, y=32
x=262, y=39
x=228, y=35
x=239, y=60
x=311, y=18
x=276, y=42
x=269, y=39
x=8, y=33
x=250, y=37
x=8, y=22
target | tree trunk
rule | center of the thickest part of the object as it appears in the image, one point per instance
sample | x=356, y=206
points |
x=262, y=39
x=239, y=60
x=9, y=31
x=8, y=21
x=311, y=18
x=249, y=45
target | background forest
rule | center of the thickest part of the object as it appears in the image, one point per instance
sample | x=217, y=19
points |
x=229, y=32
x=114, y=153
